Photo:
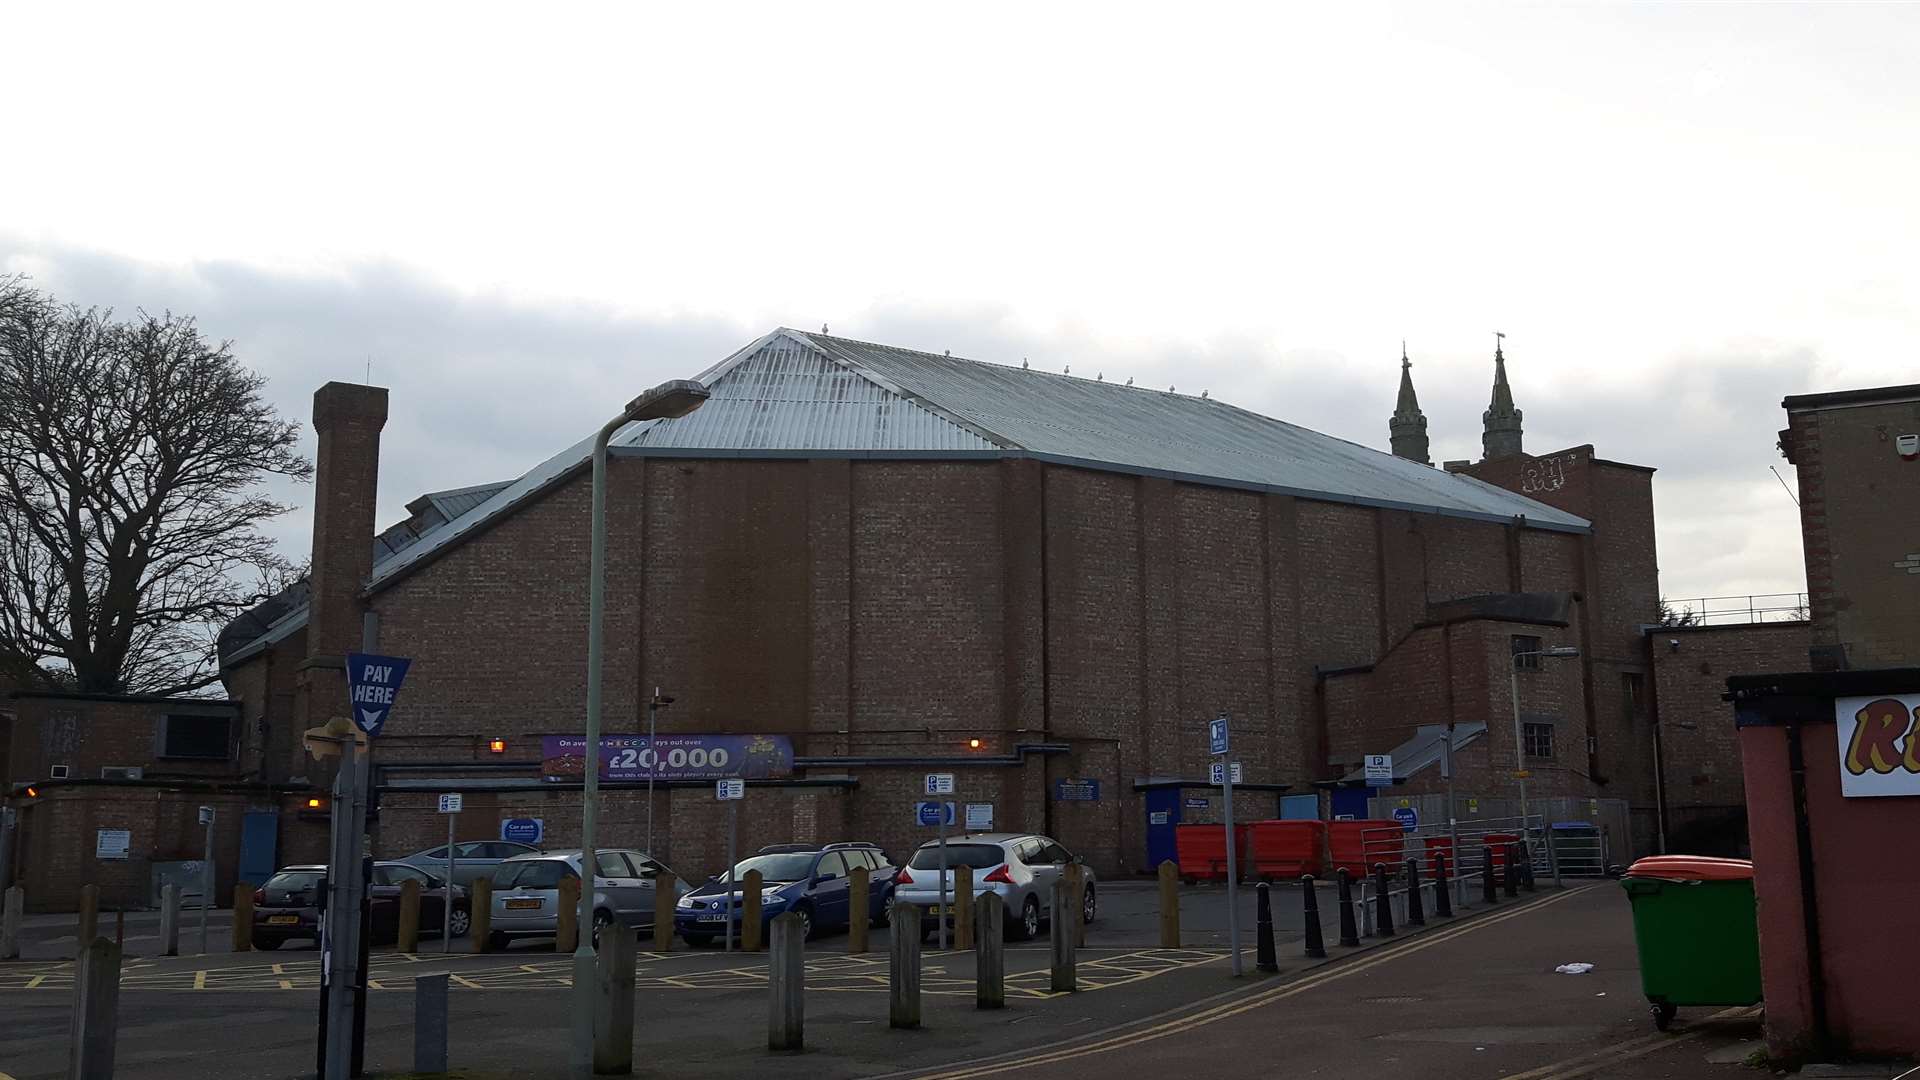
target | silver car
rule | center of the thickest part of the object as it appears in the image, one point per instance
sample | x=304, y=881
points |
x=526, y=892
x=472, y=859
x=1022, y=867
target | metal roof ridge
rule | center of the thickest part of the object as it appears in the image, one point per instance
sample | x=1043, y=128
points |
x=916, y=397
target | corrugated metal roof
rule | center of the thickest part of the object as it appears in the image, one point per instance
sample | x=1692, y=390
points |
x=792, y=393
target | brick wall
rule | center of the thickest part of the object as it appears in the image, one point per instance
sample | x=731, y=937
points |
x=1860, y=523
x=87, y=734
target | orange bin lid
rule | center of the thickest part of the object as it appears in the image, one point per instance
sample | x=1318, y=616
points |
x=1692, y=868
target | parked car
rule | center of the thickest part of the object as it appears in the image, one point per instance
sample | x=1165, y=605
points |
x=472, y=859
x=287, y=907
x=526, y=892
x=808, y=879
x=1022, y=867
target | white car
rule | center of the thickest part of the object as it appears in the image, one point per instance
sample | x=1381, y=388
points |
x=1022, y=867
x=526, y=892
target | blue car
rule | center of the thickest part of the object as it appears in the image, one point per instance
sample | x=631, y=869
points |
x=809, y=880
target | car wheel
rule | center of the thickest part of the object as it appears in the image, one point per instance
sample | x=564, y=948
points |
x=498, y=942
x=885, y=918
x=461, y=922
x=601, y=920
x=806, y=923
x=268, y=943
x=697, y=941
x=1087, y=905
x=1029, y=925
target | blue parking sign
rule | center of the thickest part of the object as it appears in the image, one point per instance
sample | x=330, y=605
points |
x=932, y=813
x=372, y=684
x=1217, y=734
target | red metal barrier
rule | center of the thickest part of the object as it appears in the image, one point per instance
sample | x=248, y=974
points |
x=1201, y=851
x=1284, y=850
x=1357, y=845
x=1441, y=845
x=1500, y=840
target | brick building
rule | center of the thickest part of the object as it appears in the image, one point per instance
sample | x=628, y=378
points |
x=899, y=562
x=1828, y=815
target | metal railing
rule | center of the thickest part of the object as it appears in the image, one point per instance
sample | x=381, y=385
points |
x=1734, y=610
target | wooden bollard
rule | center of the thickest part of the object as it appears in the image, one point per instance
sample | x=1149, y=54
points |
x=750, y=911
x=786, y=985
x=963, y=906
x=407, y=936
x=12, y=916
x=859, y=895
x=613, y=1003
x=1065, y=977
x=1169, y=905
x=665, y=902
x=989, y=956
x=480, y=930
x=89, y=916
x=96, y=1011
x=242, y=917
x=903, y=968
x=566, y=922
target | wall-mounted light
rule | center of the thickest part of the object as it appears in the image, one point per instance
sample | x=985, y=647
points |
x=975, y=744
x=496, y=745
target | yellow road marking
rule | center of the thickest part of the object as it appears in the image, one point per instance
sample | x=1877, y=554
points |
x=1256, y=1000
x=36, y=981
x=463, y=981
x=1633, y=1048
x=286, y=984
x=277, y=970
x=200, y=979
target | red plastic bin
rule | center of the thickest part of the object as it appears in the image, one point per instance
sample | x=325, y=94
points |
x=1499, y=841
x=1437, y=846
x=1357, y=845
x=1284, y=850
x=1201, y=851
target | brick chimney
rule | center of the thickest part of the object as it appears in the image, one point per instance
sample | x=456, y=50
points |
x=348, y=417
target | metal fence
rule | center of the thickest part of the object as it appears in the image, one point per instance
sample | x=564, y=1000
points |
x=1734, y=610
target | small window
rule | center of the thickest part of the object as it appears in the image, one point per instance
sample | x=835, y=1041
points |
x=534, y=874
x=1539, y=740
x=1055, y=854
x=614, y=864
x=399, y=874
x=472, y=849
x=1633, y=694
x=978, y=856
x=832, y=866
x=1524, y=644
x=209, y=738
x=437, y=853
x=1029, y=851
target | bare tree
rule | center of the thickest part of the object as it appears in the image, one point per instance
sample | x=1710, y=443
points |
x=1681, y=616
x=131, y=452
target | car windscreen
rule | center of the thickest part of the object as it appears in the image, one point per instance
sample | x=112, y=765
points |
x=294, y=881
x=788, y=866
x=978, y=856
x=532, y=874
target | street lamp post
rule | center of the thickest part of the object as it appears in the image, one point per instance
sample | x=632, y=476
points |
x=1519, y=747
x=670, y=399
x=654, y=704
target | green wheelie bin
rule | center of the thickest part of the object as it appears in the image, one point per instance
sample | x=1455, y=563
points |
x=1693, y=920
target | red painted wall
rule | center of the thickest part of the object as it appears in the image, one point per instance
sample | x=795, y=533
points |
x=1866, y=882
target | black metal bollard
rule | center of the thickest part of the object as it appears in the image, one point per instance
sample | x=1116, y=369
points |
x=1382, y=906
x=1487, y=890
x=1316, y=945
x=1510, y=878
x=1526, y=867
x=1415, y=916
x=1264, y=958
x=1442, y=888
x=1349, y=926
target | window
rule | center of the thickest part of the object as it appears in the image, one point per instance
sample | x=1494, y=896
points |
x=780, y=866
x=1633, y=694
x=1526, y=643
x=472, y=849
x=978, y=856
x=614, y=864
x=870, y=858
x=437, y=853
x=1538, y=739
x=190, y=736
x=832, y=866
x=395, y=875
x=533, y=874
x=1055, y=854
x=1030, y=851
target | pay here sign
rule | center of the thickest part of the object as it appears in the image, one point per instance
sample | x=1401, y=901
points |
x=1879, y=744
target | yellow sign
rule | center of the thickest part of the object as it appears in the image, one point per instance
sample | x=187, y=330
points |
x=1473, y=806
x=324, y=741
x=1521, y=774
x=1406, y=802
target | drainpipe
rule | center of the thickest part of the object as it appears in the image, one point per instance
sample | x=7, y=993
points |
x=1809, y=894
x=1659, y=748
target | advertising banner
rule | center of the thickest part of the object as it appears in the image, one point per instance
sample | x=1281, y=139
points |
x=1879, y=746
x=681, y=757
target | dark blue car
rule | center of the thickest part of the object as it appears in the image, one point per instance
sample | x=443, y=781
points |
x=810, y=880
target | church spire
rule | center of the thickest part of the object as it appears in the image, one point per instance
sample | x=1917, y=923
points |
x=1501, y=422
x=1408, y=427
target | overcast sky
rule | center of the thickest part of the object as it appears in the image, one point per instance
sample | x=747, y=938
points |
x=521, y=215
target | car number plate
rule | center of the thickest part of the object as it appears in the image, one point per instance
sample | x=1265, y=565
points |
x=283, y=920
x=523, y=905
x=713, y=918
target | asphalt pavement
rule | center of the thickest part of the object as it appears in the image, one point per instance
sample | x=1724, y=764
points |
x=1467, y=998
